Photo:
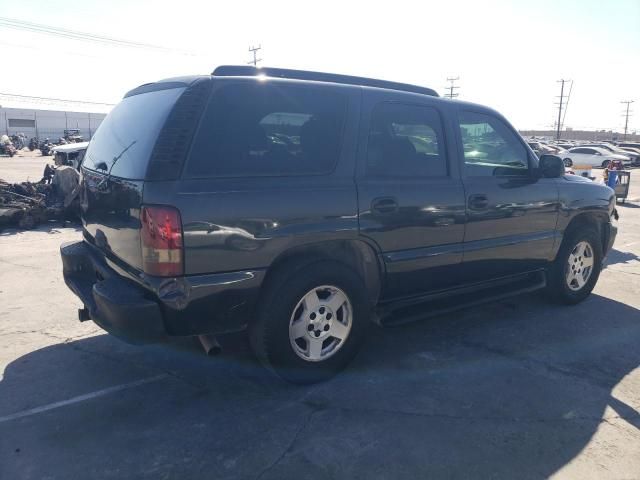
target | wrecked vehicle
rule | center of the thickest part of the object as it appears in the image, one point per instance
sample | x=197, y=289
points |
x=25, y=205
x=45, y=147
x=70, y=154
x=6, y=146
x=72, y=135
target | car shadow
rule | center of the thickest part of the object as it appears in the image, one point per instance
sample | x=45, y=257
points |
x=515, y=386
x=50, y=226
x=615, y=257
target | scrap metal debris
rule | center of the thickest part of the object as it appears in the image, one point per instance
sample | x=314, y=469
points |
x=25, y=205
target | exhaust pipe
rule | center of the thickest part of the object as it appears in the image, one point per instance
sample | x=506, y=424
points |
x=210, y=345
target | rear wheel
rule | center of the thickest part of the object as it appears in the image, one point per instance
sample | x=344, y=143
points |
x=576, y=269
x=568, y=162
x=311, y=321
x=605, y=164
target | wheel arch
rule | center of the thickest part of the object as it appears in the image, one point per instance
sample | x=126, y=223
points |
x=356, y=254
x=595, y=220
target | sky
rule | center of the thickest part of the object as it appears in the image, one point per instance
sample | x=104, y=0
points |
x=508, y=54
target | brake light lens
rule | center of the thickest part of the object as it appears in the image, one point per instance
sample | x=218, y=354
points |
x=161, y=236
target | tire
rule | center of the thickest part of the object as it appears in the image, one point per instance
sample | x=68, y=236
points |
x=288, y=301
x=570, y=289
x=605, y=163
x=568, y=162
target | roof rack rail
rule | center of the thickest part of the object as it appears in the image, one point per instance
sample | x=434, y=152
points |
x=248, y=71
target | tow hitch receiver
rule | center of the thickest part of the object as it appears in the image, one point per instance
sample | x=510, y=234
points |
x=83, y=314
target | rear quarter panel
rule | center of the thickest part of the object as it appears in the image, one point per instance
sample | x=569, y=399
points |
x=245, y=224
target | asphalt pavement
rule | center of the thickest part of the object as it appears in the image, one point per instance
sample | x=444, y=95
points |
x=515, y=389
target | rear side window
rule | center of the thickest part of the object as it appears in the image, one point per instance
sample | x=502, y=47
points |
x=268, y=129
x=491, y=148
x=406, y=141
x=124, y=140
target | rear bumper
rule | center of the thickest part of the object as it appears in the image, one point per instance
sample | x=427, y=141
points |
x=148, y=309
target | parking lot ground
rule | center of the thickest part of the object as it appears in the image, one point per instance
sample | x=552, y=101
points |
x=25, y=165
x=515, y=389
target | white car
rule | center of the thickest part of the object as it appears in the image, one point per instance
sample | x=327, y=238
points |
x=632, y=151
x=613, y=149
x=592, y=156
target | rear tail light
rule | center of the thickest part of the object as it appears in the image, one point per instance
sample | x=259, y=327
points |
x=161, y=236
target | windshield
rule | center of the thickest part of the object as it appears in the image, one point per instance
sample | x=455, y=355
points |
x=129, y=133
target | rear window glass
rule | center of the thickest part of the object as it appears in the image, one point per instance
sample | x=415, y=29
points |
x=254, y=130
x=129, y=133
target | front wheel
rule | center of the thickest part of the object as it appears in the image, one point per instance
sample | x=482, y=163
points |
x=311, y=322
x=605, y=164
x=574, y=273
x=568, y=162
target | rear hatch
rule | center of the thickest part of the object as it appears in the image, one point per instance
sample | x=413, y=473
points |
x=116, y=165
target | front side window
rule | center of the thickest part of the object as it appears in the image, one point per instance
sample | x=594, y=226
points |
x=490, y=147
x=261, y=129
x=406, y=141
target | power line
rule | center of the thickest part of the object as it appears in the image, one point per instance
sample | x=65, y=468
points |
x=452, y=86
x=255, y=60
x=83, y=36
x=35, y=99
x=626, y=117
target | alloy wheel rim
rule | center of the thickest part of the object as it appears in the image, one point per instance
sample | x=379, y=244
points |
x=320, y=323
x=579, y=266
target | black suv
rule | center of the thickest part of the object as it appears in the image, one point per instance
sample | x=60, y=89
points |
x=302, y=206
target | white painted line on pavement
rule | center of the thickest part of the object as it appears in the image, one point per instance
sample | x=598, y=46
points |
x=81, y=398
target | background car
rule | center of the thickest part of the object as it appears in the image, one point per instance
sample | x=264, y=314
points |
x=540, y=148
x=629, y=144
x=594, y=156
x=565, y=145
x=634, y=158
x=632, y=150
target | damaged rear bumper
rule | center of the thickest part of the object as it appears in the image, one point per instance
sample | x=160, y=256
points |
x=147, y=309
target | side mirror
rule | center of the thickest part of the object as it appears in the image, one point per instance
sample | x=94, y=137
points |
x=551, y=166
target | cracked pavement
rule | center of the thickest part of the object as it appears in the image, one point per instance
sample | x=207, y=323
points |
x=514, y=389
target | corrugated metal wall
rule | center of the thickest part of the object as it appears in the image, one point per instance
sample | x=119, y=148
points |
x=47, y=123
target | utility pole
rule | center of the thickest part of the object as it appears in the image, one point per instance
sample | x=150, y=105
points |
x=560, y=105
x=626, y=117
x=255, y=60
x=452, y=86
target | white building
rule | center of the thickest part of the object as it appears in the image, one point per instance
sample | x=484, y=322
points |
x=47, y=123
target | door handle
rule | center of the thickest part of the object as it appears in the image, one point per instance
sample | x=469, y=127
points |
x=384, y=205
x=478, y=201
